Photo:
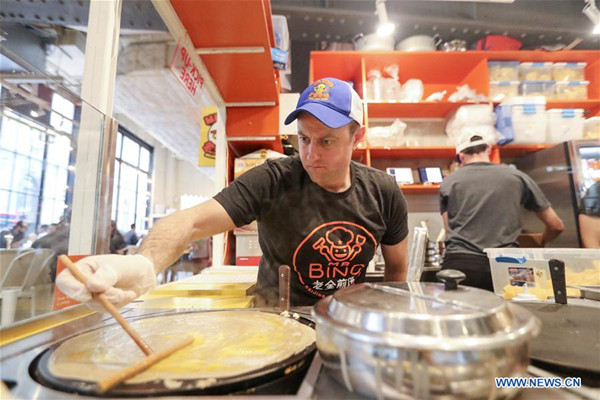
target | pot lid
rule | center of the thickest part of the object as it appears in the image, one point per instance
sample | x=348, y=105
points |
x=426, y=315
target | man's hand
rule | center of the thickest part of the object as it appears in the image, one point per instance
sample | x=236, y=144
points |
x=121, y=278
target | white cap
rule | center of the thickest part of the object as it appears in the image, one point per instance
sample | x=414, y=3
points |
x=472, y=138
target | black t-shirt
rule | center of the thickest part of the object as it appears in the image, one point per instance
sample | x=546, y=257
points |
x=326, y=238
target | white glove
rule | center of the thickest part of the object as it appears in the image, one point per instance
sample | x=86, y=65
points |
x=121, y=278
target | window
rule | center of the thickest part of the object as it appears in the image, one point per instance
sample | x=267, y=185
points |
x=35, y=160
x=132, y=182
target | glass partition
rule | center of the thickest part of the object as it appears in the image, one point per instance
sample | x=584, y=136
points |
x=39, y=125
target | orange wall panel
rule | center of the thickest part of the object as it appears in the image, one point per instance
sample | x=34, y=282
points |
x=252, y=121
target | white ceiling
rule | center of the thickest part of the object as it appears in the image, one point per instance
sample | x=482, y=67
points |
x=154, y=100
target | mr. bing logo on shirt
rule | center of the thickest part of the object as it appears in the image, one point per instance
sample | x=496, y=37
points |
x=333, y=256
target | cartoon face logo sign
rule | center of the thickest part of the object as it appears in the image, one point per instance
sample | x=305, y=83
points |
x=340, y=244
x=321, y=90
x=334, y=255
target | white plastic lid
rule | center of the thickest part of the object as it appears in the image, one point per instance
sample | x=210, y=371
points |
x=538, y=82
x=573, y=83
x=566, y=112
x=535, y=64
x=520, y=100
x=569, y=64
x=503, y=83
x=498, y=62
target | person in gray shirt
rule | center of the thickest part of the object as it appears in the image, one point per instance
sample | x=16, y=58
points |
x=481, y=205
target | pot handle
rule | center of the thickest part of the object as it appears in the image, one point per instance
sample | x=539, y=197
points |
x=359, y=36
x=437, y=41
x=557, y=274
x=451, y=278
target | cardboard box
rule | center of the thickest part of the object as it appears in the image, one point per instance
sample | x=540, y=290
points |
x=252, y=160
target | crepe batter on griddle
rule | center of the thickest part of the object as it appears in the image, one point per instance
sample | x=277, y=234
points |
x=226, y=343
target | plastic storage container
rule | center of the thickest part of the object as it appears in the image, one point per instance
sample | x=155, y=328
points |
x=247, y=249
x=568, y=71
x=591, y=128
x=387, y=136
x=537, y=88
x=576, y=90
x=535, y=71
x=522, y=120
x=501, y=90
x=281, y=32
x=565, y=124
x=503, y=70
x=513, y=267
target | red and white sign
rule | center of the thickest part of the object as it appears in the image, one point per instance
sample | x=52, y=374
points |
x=61, y=300
x=187, y=71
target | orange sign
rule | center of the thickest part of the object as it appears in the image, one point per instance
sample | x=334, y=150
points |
x=61, y=300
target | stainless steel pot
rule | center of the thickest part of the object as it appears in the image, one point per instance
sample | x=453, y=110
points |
x=373, y=42
x=419, y=43
x=423, y=340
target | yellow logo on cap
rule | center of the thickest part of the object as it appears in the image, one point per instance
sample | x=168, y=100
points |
x=321, y=90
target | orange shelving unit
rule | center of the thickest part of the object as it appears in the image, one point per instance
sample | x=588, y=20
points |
x=419, y=189
x=440, y=71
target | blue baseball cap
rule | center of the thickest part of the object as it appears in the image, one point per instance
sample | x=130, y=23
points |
x=332, y=101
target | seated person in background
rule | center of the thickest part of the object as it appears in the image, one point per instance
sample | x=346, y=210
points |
x=57, y=240
x=131, y=237
x=18, y=235
x=43, y=231
x=589, y=217
x=117, y=242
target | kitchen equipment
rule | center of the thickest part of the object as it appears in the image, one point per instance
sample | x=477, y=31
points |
x=591, y=292
x=419, y=43
x=455, y=45
x=569, y=338
x=559, y=285
x=416, y=259
x=281, y=377
x=563, y=172
x=126, y=373
x=373, y=41
x=284, y=287
x=121, y=376
x=423, y=340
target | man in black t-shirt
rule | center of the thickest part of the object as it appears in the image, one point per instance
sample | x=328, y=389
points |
x=320, y=213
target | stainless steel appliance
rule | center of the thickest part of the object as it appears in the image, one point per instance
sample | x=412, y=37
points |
x=423, y=340
x=563, y=172
x=24, y=367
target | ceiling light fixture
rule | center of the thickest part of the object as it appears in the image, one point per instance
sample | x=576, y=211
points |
x=385, y=27
x=592, y=12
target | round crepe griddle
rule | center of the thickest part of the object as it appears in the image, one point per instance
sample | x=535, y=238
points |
x=289, y=368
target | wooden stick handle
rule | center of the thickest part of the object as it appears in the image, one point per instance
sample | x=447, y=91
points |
x=126, y=373
x=284, y=287
x=108, y=305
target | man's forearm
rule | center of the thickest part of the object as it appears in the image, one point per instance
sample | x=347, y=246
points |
x=549, y=235
x=167, y=240
x=171, y=235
